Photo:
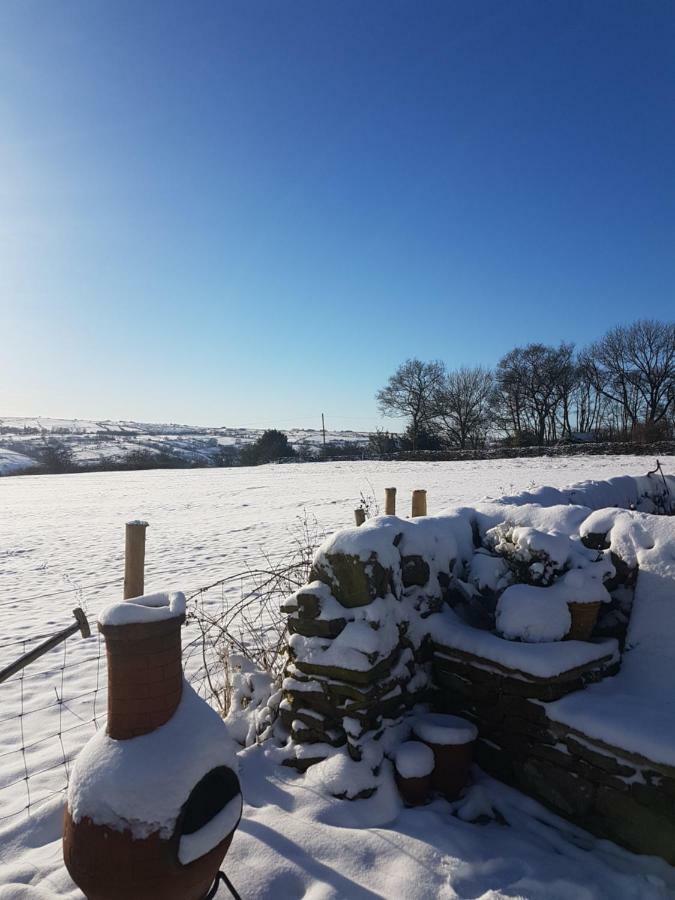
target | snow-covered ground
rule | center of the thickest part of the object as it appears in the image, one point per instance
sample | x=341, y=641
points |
x=61, y=544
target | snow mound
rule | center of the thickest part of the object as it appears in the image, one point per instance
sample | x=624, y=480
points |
x=414, y=760
x=528, y=613
x=436, y=728
x=140, y=610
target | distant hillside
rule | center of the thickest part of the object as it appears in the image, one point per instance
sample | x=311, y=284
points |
x=29, y=444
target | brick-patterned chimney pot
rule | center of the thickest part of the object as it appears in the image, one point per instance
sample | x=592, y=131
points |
x=145, y=673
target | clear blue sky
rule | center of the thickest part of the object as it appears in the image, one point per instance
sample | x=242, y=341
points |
x=251, y=212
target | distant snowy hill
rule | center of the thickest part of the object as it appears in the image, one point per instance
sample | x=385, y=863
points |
x=23, y=441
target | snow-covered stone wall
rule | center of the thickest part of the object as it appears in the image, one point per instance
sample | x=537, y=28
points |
x=404, y=612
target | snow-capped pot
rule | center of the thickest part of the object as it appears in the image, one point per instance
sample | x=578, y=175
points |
x=154, y=801
x=451, y=739
x=414, y=764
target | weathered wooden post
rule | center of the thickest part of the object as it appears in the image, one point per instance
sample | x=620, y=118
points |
x=359, y=516
x=419, y=503
x=134, y=559
x=390, y=501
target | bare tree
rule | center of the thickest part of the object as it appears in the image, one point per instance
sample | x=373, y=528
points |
x=534, y=390
x=633, y=367
x=411, y=392
x=464, y=405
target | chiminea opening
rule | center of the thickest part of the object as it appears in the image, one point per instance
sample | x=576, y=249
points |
x=208, y=798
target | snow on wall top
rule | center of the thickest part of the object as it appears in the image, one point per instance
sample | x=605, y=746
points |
x=635, y=710
x=542, y=660
x=149, y=608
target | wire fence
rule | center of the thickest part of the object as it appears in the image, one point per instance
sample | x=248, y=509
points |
x=47, y=711
x=50, y=708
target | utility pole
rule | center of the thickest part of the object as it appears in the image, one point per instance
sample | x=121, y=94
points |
x=323, y=429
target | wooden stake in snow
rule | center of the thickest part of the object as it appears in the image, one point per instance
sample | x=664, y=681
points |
x=419, y=503
x=134, y=559
x=359, y=516
x=390, y=501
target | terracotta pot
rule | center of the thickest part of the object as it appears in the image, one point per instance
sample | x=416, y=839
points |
x=414, y=791
x=111, y=865
x=145, y=687
x=451, y=768
x=453, y=756
x=414, y=764
x=584, y=616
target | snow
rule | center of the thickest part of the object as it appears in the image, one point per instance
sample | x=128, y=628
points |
x=540, y=660
x=124, y=784
x=435, y=728
x=532, y=614
x=372, y=634
x=12, y=462
x=61, y=544
x=294, y=841
x=537, y=614
x=94, y=443
x=374, y=536
x=488, y=571
x=192, y=846
x=635, y=710
x=414, y=760
x=148, y=608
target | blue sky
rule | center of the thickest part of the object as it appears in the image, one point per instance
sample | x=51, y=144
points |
x=248, y=213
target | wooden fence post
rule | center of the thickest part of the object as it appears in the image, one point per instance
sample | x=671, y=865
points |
x=134, y=559
x=359, y=516
x=419, y=503
x=390, y=501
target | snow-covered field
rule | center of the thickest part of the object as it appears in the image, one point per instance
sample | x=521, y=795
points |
x=61, y=545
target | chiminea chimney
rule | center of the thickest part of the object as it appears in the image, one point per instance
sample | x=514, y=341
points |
x=153, y=803
x=145, y=675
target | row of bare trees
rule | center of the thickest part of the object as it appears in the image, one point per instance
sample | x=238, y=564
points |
x=620, y=388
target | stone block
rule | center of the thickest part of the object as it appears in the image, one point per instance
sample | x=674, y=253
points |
x=325, y=628
x=414, y=571
x=352, y=581
x=608, y=764
x=566, y=792
x=352, y=676
x=620, y=817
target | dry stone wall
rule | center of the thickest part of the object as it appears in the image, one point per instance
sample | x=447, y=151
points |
x=365, y=649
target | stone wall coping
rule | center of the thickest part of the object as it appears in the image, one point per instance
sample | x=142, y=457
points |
x=562, y=730
x=602, y=658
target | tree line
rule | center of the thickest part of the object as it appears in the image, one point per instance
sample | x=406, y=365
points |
x=619, y=388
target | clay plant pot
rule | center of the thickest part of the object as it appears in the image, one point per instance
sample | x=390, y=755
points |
x=414, y=764
x=452, y=740
x=584, y=616
x=152, y=805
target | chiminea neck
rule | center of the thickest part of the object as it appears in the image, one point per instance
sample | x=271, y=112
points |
x=145, y=675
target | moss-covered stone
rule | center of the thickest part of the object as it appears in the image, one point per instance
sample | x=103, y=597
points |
x=352, y=581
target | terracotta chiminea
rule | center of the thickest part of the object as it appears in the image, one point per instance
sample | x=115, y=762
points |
x=153, y=802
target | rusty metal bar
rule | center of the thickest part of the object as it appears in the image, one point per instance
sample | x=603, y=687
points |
x=80, y=624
